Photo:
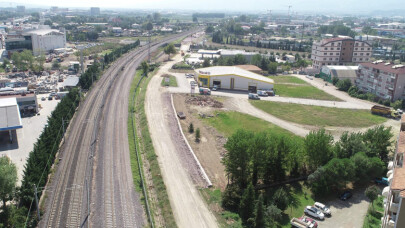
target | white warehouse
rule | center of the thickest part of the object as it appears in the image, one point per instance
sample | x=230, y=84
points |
x=44, y=40
x=233, y=78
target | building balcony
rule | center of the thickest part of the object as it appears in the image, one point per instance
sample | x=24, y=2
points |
x=394, y=207
x=390, y=88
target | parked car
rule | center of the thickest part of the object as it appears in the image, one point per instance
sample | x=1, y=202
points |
x=254, y=96
x=181, y=115
x=50, y=98
x=205, y=91
x=382, y=181
x=43, y=98
x=295, y=222
x=345, y=195
x=323, y=208
x=314, y=212
x=262, y=93
x=311, y=223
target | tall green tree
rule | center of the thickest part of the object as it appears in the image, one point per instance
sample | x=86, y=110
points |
x=169, y=49
x=247, y=204
x=145, y=68
x=372, y=193
x=378, y=141
x=273, y=214
x=318, y=148
x=260, y=221
x=349, y=144
x=237, y=160
x=8, y=179
x=366, y=168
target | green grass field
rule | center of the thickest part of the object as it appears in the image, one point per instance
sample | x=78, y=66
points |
x=287, y=79
x=172, y=81
x=373, y=217
x=302, y=91
x=319, y=116
x=229, y=122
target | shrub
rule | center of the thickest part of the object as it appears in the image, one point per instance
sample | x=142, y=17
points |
x=197, y=135
x=191, y=128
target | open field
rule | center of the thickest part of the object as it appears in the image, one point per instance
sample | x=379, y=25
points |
x=319, y=116
x=229, y=122
x=172, y=81
x=302, y=91
x=287, y=79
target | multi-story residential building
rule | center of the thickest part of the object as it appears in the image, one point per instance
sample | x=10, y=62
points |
x=385, y=80
x=394, y=208
x=340, y=51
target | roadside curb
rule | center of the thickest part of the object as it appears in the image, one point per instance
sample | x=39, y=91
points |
x=205, y=176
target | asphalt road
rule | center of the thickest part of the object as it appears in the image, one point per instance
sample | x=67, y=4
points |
x=95, y=168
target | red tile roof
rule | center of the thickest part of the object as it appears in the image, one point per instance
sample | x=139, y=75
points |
x=401, y=142
x=386, y=68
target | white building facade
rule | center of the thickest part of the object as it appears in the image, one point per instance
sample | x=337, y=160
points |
x=45, y=40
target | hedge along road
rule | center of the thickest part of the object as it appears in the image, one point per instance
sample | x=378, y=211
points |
x=189, y=209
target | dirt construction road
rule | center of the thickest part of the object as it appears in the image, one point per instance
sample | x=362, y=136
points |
x=189, y=209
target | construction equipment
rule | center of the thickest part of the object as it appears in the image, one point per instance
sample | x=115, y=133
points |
x=385, y=111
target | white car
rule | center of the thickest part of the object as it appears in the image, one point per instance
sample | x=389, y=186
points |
x=323, y=208
x=314, y=212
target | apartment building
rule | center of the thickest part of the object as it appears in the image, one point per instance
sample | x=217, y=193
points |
x=385, y=80
x=340, y=51
x=394, y=208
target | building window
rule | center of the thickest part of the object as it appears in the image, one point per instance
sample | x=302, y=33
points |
x=328, y=63
x=342, y=58
x=361, y=59
x=344, y=48
x=343, y=53
x=362, y=49
x=337, y=48
x=331, y=53
x=362, y=44
x=331, y=49
x=323, y=64
x=326, y=49
x=355, y=49
x=357, y=44
x=366, y=59
x=337, y=53
x=337, y=59
x=333, y=44
x=324, y=58
x=368, y=54
x=325, y=53
x=355, y=53
x=368, y=49
x=354, y=59
x=361, y=53
x=330, y=58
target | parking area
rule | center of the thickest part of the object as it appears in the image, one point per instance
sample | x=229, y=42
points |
x=347, y=214
x=25, y=137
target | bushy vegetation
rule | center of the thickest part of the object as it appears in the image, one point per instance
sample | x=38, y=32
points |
x=116, y=53
x=257, y=160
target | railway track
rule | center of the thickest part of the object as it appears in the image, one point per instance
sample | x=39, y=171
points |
x=93, y=184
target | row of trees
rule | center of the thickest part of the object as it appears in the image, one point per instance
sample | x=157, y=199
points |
x=258, y=159
x=40, y=160
x=116, y=53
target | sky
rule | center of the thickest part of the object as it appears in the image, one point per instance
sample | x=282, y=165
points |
x=225, y=5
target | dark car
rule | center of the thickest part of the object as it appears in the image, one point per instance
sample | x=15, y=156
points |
x=345, y=195
x=181, y=115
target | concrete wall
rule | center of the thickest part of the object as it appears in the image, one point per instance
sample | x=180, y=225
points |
x=401, y=215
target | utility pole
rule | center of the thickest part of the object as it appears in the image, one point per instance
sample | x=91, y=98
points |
x=36, y=202
x=88, y=203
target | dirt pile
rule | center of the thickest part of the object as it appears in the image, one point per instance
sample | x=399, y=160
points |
x=204, y=101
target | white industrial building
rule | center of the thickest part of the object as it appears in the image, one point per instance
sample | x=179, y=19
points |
x=44, y=40
x=233, y=78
